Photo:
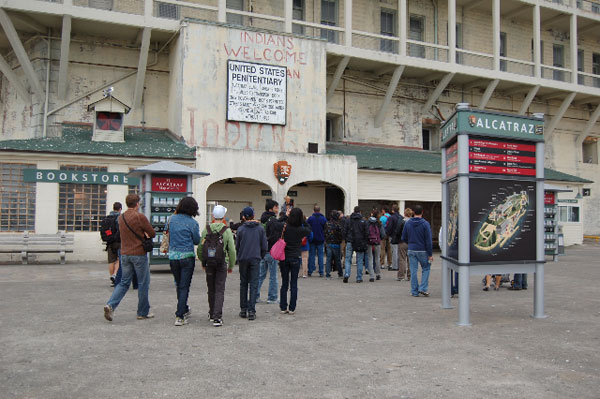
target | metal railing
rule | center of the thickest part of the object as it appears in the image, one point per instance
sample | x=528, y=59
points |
x=124, y=6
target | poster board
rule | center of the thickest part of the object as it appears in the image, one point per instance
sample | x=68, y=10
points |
x=256, y=93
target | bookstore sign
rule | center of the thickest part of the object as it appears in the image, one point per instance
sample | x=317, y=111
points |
x=77, y=177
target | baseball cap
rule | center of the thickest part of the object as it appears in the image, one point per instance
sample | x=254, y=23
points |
x=248, y=212
x=219, y=212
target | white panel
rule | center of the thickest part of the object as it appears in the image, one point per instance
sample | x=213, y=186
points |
x=394, y=186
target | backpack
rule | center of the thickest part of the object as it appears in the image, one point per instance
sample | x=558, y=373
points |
x=374, y=234
x=109, y=232
x=358, y=244
x=398, y=233
x=213, y=248
x=334, y=233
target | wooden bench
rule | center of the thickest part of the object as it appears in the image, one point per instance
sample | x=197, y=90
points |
x=596, y=238
x=26, y=243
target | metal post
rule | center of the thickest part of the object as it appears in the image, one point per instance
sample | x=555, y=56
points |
x=464, y=301
x=538, y=294
x=190, y=189
x=445, y=271
x=464, y=255
x=148, y=195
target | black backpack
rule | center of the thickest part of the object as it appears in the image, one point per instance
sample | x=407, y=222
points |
x=213, y=248
x=109, y=232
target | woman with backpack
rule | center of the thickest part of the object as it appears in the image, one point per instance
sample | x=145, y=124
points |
x=184, y=233
x=375, y=234
x=293, y=230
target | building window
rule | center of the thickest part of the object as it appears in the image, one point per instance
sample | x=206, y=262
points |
x=333, y=128
x=426, y=138
x=166, y=10
x=503, y=63
x=298, y=15
x=596, y=8
x=417, y=33
x=568, y=214
x=388, y=28
x=329, y=12
x=101, y=4
x=589, y=150
x=558, y=57
x=580, y=65
x=81, y=207
x=596, y=68
x=17, y=198
x=235, y=19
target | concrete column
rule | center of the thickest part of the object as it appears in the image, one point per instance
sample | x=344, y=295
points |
x=222, y=14
x=573, y=46
x=65, y=45
x=348, y=23
x=496, y=33
x=537, y=54
x=148, y=8
x=288, y=10
x=452, y=31
x=141, y=73
x=116, y=192
x=46, y=203
x=401, y=206
x=402, y=18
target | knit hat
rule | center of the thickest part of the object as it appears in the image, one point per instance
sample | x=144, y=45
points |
x=219, y=212
x=248, y=212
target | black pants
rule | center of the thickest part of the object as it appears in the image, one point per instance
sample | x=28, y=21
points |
x=183, y=270
x=289, y=279
x=249, y=271
x=215, y=281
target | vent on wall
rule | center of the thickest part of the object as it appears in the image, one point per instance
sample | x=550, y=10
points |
x=313, y=148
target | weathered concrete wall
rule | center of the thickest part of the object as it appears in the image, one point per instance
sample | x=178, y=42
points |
x=206, y=49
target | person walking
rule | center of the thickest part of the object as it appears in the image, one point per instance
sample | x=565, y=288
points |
x=304, y=258
x=333, y=237
x=519, y=282
x=184, y=233
x=251, y=247
x=386, y=249
x=217, y=253
x=268, y=264
x=317, y=223
x=375, y=235
x=133, y=258
x=292, y=229
x=356, y=241
x=109, y=232
x=403, y=269
x=390, y=229
x=417, y=233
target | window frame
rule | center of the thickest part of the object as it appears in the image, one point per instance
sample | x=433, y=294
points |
x=388, y=46
x=17, y=192
x=569, y=209
x=415, y=50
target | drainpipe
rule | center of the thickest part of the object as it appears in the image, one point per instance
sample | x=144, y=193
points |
x=45, y=121
x=435, y=27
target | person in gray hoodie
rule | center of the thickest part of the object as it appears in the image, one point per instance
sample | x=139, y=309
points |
x=417, y=233
x=251, y=247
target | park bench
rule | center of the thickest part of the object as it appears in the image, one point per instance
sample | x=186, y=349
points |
x=596, y=238
x=26, y=243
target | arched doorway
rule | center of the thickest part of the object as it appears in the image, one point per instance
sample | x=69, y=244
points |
x=235, y=194
x=326, y=195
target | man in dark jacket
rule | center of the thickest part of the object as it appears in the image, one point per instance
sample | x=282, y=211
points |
x=334, y=236
x=417, y=232
x=390, y=229
x=268, y=264
x=317, y=223
x=357, y=237
x=251, y=247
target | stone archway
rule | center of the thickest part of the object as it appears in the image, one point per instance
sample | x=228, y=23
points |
x=235, y=193
x=327, y=195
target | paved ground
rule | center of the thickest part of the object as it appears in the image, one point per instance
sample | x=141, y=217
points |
x=346, y=340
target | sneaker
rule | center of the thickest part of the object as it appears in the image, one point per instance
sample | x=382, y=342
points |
x=304, y=276
x=148, y=316
x=378, y=278
x=112, y=278
x=270, y=302
x=291, y=312
x=108, y=312
x=399, y=279
x=358, y=281
x=210, y=318
x=415, y=295
x=284, y=312
x=424, y=293
x=187, y=314
x=251, y=316
x=180, y=321
x=320, y=275
x=258, y=300
x=514, y=289
x=345, y=279
x=487, y=288
x=371, y=280
x=217, y=322
x=243, y=314
x=112, y=285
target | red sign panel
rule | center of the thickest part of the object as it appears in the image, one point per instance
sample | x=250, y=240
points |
x=501, y=157
x=452, y=160
x=549, y=197
x=169, y=184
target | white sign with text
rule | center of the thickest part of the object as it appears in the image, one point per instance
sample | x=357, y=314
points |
x=256, y=93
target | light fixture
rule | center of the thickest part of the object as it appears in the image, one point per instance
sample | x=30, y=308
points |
x=229, y=181
x=578, y=196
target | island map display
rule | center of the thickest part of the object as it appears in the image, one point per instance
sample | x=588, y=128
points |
x=502, y=220
x=452, y=229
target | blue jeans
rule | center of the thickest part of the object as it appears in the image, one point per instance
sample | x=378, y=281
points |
x=268, y=264
x=289, y=277
x=334, y=254
x=520, y=280
x=182, y=270
x=360, y=262
x=249, y=270
x=318, y=249
x=131, y=265
x=453, y=283
x=119, y=275
x=414, y=258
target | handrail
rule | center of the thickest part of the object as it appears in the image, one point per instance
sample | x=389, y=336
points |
x=427, y=44
x=375, y=35
x=471, y=52
x=186, y=4
x=315, y=25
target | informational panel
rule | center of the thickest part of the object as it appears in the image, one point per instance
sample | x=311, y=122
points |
x=512, y=158
x=502, y=214
x=452, y=229
x=256, y=93
x=451, y=160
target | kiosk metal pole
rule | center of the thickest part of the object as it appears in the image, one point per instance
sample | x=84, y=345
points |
x=148, y=195
x=464, y=256
x=445, y=270
x=538, y=294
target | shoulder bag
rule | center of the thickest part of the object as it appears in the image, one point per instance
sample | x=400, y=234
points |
x=278, y=249
x=147, y=243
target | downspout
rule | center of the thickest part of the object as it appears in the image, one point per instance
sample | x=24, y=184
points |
x=435, y=27
x=45, y=122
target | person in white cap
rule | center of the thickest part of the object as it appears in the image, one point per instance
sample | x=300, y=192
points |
x=217, y=253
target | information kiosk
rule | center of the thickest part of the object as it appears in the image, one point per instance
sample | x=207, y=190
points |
x=162, y=185
x=492, y=201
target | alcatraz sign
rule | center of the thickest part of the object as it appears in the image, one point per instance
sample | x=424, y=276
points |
x=77, y=177
x=493, y=124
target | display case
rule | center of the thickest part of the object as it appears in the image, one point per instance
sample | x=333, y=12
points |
x=163, y=206
x=550, y=225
